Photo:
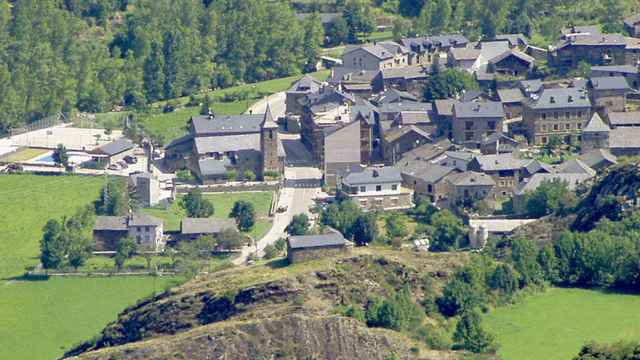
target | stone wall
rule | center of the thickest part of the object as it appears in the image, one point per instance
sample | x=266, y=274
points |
x=307, y=254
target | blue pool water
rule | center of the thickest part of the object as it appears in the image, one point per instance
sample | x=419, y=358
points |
x=47, y=159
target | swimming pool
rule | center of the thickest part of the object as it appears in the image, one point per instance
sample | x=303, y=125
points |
x=45, y=159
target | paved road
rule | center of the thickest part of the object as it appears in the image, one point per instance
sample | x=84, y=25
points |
x=277, y=103
x=297, y=199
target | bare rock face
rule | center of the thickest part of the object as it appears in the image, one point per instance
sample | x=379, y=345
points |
x=292, y=337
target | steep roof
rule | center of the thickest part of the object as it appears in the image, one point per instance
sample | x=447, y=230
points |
x=382, y=175
x=488, y=109
x=621, y=69
x=306, y=84
x=397, y=133
x=395, y=95
x=598, y=157
x=430, y=173
x=334, y=238
x=593, y=40
x=515, y=53
x=575, y=166
x=205, y=225
x=609, y=83
x=110, y=223
x=378, y=51
x=444, y=107
x=596, y=125
x=513, y=39
x=560, y=98
x=462, y=54
x=267, y=121
x=405, y=72
x=342, y=144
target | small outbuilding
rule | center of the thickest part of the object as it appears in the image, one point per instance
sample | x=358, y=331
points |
x=311, y=247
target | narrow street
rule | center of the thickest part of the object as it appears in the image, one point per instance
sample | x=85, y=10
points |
x=302, y=185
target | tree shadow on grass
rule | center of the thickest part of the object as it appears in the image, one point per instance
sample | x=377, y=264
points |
x=278, y=263
x=26, y=277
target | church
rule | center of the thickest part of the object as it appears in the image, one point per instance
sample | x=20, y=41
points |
x=229, y=147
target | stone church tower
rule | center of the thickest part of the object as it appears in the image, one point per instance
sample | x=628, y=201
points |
x=595, y=135
x=269, y=143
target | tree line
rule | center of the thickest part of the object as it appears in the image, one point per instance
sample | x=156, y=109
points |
x=91, y=55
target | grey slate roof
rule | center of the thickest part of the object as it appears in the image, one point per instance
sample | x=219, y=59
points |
x=312, y=241
x=531, y=86
x=394, y=95
x=560, y=98
x=306, y=84
x=393, y=47
x=624, y=137
x=510, y=96
x=574, y=166
x=365, y=109
x=426, y=152
x=518, y=54
x=513, y=39
x=382, y=175
x=632, y=20
x=609, y=83
x=628, y=118
x=228, y=124
x=497, y=162
x=210, y=167
x=398, y=107
x=430, y=173
x=577, y=29
x=223, y=144
x=619, y=69
x=115, y=147
x=444, y=107
x=596, y=124
x=594, y=40
x=597, y=157
x=405, y=72
x=110, y=223
x=342, y=144
x=461, y=54
x=378, y=51
x=415, y=118
x=471, y=178
x=397, y=133
x=534, y=182
x=144, y=220
x=191, y=226
x=489, y=109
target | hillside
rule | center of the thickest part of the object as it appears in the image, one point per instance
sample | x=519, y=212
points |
x=270, y=310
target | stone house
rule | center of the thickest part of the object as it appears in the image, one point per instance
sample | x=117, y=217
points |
x=464, y=58
x=609, y=93
x=595, y=135
x=469, y=186
x=147, y=230
x=427, y=50
x=625, y=141
x=377, y=188
x=341, y=151
x=506, y=170
x=511, y=63
x=511, y=100
x=531, y=184
x=595, y=49
x=193, y=228
x=498, y=143
x=630, y=72
x=444, y=116
x=400, y=140
x=632, y=25
x=113, y=152
x=380, y=56
x=428, y=180
x=624, y=119
x=598, y=159
x=473, y=121
x=457, y=159
x=312, y=247
x=560, y=112
x=408, y=78
x=367, y=114
x=296, y=96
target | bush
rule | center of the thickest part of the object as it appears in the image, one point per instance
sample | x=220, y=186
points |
x=249, y=175
x=354, y=311
x=270, y=252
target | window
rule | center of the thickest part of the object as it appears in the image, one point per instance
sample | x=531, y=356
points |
x=429, y=188
x=555, y=127
x=544, y=127
x=394, y=187
x=556, y=115
x=579, y=114
x=567, y=126
x=544, y=139
x=363, y=202
x=363, y=188
x=394, y=202
x=468, y=125
x=146, y=228
x=491, y=125
x=468, y=136
x=579, y=125
x=567, y=115
x=378, y=187
x=544, y=116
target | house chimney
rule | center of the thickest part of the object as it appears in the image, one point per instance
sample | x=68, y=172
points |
x=376, y=173
x=552, y=100
x=570, y=99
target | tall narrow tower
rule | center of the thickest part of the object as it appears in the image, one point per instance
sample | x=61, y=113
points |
x=269, y=143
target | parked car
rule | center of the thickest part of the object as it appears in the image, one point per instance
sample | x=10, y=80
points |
x=131, y=159
x=123, y=164
x=113, y=167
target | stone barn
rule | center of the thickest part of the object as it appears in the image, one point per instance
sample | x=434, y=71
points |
x=311, y=247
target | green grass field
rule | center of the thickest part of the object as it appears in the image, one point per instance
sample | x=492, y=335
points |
x=23, y=155
x=223, y=203
x=555, y=324
x=27, y=203
x=43, y=319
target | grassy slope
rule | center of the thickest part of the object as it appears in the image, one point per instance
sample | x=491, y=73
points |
x=554, y=325
x=23, y=155
x=222, y=204
x=42, y=319
x=27, y=203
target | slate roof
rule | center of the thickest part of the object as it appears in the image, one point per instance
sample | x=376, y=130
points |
x=431, y=173
x=489, y=109
x=537, y=166
x=518, y=54
x=115, y=147
x=531, y=86
x=223, y=144
x=472, y=95
x=624, y=137
x=191, y=226
x=110, y=223
x=513, y=39
x=497, y=162
x=341, y=74
x=414, y=118
x=510, y=96
x=461, y=54
x=398, y=107
x=312, y=241
x=495, y=137
x=422, y=44
x=382, y=175
x=405, y=72
x=460, y=155
x=365, y=108
x=444, y=107
x=393, y=47
x=536, y=180
x=471, y=178
x=596, y=125
x=426, y=152
x=228, y=124
x=591, y=29
x=594, y=40
x=210, y=167
x=632, y=20
x=574, y=166
x=346, y=144
x=560, y=98
x=306, y=84
x=397, y=133
x=378, y=51
x=620, y=69
x=609, y=83
x=627, y=118
x=597, y=157
x=394, y=95
x=144, y=220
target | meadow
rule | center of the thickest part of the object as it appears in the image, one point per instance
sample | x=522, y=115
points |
x=43, y=319
x=555, y=324
x=223, y=203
